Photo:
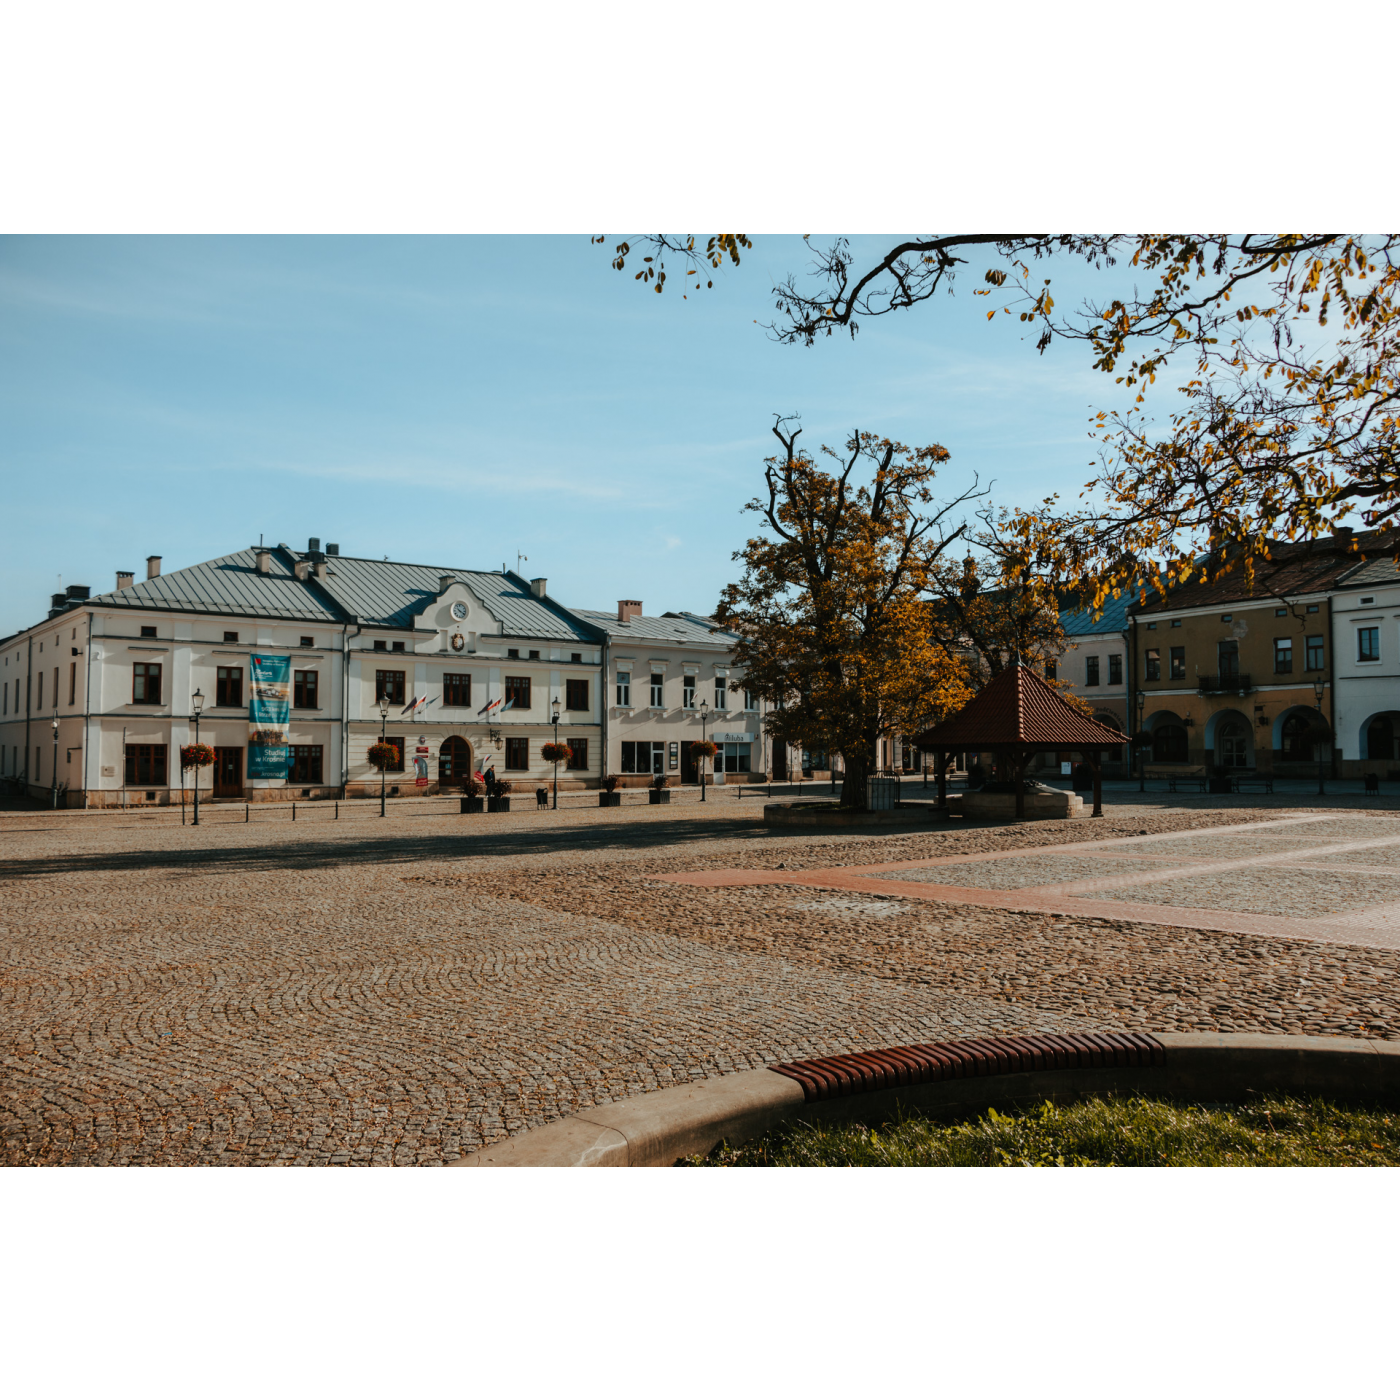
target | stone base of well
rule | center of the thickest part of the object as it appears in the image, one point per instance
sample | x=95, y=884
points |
x=1001, y=806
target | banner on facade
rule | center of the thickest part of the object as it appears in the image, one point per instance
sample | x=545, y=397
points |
x=420, y=765
x=268, y=712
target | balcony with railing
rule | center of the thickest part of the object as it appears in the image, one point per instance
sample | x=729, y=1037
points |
x=1227, y=683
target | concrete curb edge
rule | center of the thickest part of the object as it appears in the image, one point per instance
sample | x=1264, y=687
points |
x=657, y=1129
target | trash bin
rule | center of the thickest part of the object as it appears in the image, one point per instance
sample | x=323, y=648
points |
x=881, y=794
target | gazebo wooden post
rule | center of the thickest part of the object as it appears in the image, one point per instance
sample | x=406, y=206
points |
x=1019, y=760
x=1096, y=767
x=941, y=759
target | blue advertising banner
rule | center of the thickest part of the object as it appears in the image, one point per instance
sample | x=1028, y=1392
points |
x=268, y=707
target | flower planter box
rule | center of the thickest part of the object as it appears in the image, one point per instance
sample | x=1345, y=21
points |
x=610, y=799
x=497, y=804
x=659, y=795
x=473, y=804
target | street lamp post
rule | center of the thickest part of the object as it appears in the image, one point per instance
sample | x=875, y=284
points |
x=704, y=715
x=55, y=760
x=556, y=707
x=383, y=719
x=196, y=705
x=1317, y=692
x=1137, y=744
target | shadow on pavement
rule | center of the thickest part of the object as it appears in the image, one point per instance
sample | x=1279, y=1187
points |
x=398, y=847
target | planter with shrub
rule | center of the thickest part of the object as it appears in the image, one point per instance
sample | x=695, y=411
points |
x=659, y=792
x=499, y=801
x=610, y=797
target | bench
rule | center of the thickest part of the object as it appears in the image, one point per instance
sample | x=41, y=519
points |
x=1188, y=774
x=1253, y=784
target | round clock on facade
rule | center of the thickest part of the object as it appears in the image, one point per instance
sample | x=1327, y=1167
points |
x=459, y=611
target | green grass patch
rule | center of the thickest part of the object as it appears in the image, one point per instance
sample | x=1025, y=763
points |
x=1107, y=1132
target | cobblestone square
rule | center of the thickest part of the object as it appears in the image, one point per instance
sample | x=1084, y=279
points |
x=405, y=991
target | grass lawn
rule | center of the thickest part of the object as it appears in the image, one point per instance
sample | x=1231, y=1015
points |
x=1112, y=1132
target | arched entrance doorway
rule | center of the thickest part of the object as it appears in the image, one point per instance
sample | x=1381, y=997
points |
x=1169, y=743
x=1381, y=738
x=1294, y=740
x=454, y=762
x=1232, y=744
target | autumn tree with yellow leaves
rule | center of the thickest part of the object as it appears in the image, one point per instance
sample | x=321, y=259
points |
x=832, y=610
x=1288, y=409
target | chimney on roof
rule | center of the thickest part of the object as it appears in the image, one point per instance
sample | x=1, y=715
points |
x=313, y=545
x=78, y=592
x=302, y=569
x=539, y=586
x=321, y=567
x=56, y=602
x=446, y=582
x=153, y=566
x=333, y=549
x=264, y=560
x=628, y=607
x=125, y=578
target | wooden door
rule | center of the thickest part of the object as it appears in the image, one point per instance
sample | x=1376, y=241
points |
x=228, y=772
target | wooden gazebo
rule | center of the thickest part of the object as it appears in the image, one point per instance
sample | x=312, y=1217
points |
x=1017, y=716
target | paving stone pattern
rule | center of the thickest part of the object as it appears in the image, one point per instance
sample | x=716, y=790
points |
x=405, y=993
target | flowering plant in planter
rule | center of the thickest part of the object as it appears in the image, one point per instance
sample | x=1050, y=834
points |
x=474, y=786
x=610, y=782
x=659, y=781
x=504, y=786
x=382, y=755
x=704, y=748
x=196, y=755
x=556, y=753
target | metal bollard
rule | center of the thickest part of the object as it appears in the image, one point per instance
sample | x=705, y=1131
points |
x=294, y=811
x=337, y=811
x=245, y=813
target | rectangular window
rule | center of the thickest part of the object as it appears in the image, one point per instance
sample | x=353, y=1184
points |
x=305, y=690
x=644, y=756
x=576, y=657
x=624, y=689
x=397, y=765
x=145, y=684
x=381, y=646
x=306, y=763
x=732, y=758
x=513, y=653
x=1115, y=670
x=230, y=636
x=41, y=688
x=145, y=765
x=1152, y=664
x=579, y=749
x=576, y=695
x=534, y=656
x=517, y=693
x=72, y=682
x=750, y=700
x=721, y=693
x=1283, y=656
x=658, y=692
x=6, y=710
x=55, y=687
x=228, y=686
x=148, y=631
x=308, y=641
x=456, y=690
x=389, y=683
x=1368, y=643
x=398, y=646
x=1091, y=670
x=517, y=754
x=1317, y=654
x=1051, y=671
x=688, y=693
x=1178, y=663
x=1229, y=654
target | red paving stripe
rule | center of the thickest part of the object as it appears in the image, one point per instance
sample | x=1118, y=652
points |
x=864, y=1071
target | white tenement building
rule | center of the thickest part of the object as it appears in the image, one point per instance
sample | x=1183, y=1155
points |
x=470, y=667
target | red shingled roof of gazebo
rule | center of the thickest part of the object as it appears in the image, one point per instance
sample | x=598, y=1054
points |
x=1018, y=708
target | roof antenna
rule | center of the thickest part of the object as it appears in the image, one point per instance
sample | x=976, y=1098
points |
x=520, y=559
x=260, y=543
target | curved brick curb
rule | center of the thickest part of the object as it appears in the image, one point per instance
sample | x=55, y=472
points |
x=654, y=1130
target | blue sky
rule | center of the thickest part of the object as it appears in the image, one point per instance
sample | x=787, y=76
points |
x=455, y=401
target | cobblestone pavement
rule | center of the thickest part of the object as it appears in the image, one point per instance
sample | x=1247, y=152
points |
x=406, y=991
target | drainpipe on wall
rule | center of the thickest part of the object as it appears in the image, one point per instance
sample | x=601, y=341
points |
x=28, y=699
x=87, y=715
x=603, y=711
x=1133, y=748
x=1332, y=681
x=345, y=704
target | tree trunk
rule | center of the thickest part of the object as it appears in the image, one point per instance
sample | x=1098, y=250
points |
x=859, y=767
